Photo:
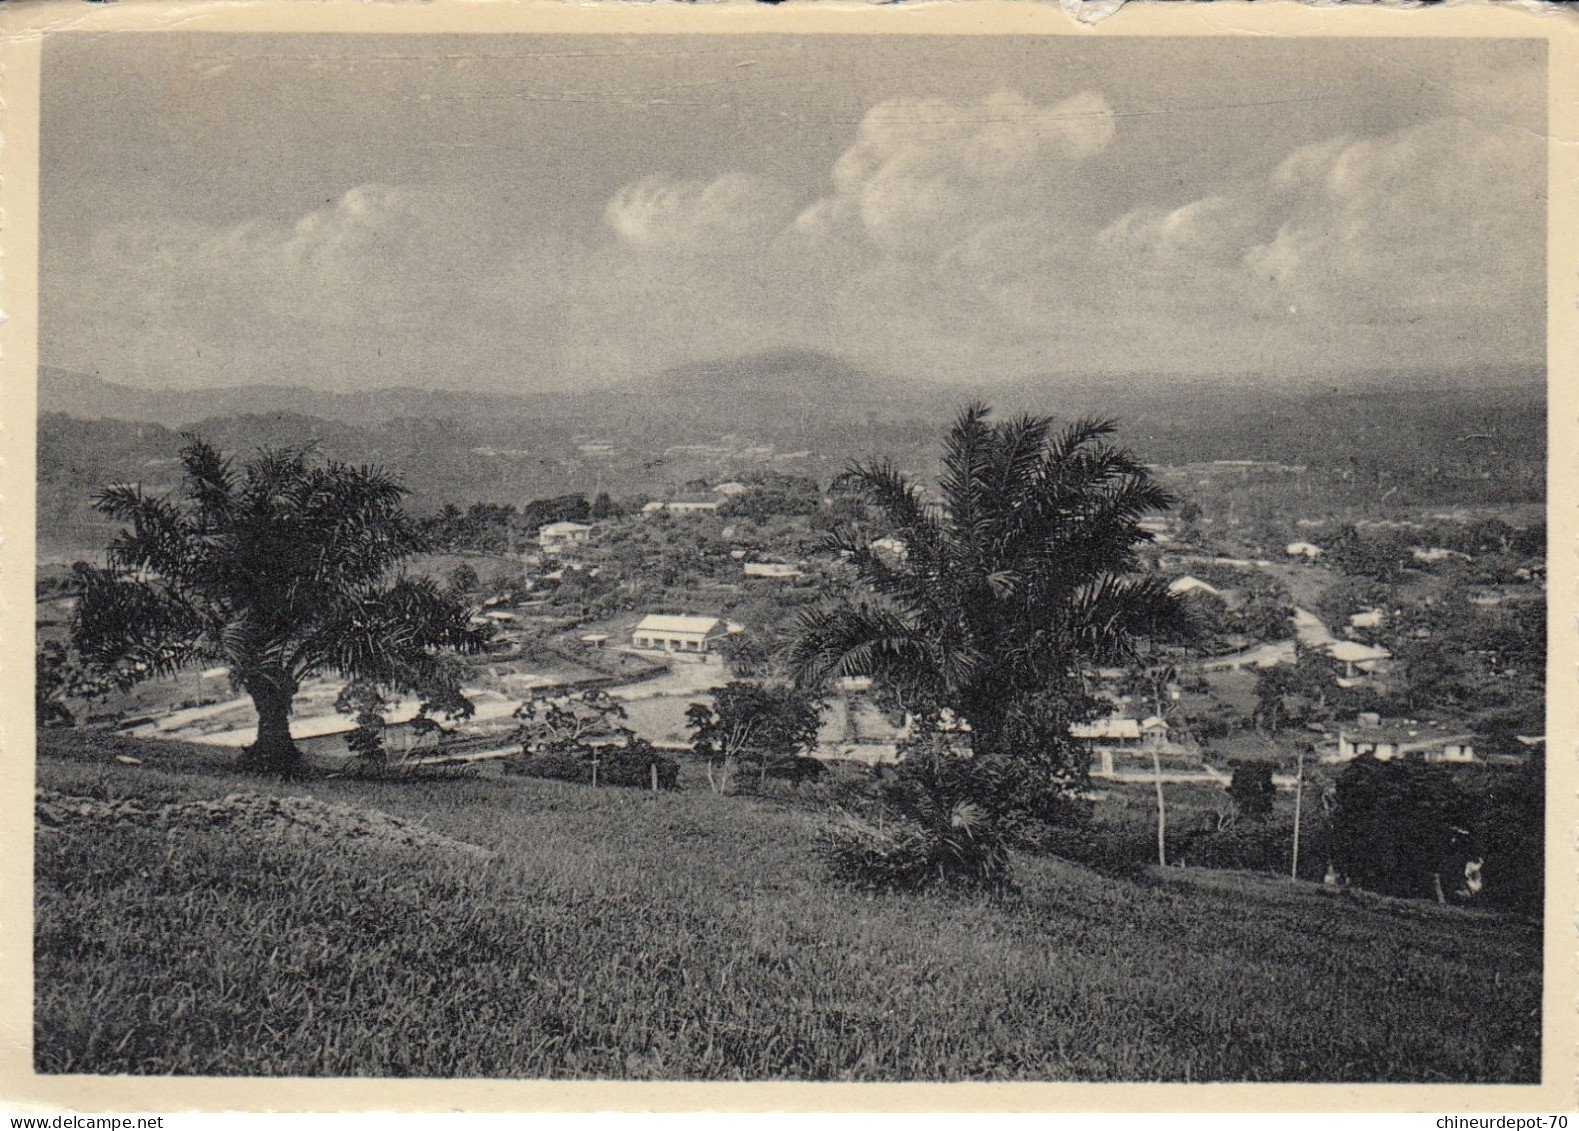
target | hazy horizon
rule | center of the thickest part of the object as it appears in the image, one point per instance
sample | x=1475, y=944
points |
x=530, y=214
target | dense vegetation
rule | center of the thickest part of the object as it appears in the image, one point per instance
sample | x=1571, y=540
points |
x=779, y=922
x=1375, y=451
x=278, y=569
x=980, y=619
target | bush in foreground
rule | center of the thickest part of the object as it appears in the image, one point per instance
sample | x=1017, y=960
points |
x=959, y=848
x=940, y=820
x=628, y=766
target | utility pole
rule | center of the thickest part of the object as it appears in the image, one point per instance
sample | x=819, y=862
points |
x=1299, y=796
x=1159, y=682
x=1162, y=812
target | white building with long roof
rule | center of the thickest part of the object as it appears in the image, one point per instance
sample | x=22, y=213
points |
x=682, y=634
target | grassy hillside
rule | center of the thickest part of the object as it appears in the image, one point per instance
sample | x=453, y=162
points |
x=618, y=933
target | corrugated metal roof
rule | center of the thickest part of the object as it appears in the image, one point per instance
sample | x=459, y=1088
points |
x=1353, y=652
x=1110, y=727
x=657, y=622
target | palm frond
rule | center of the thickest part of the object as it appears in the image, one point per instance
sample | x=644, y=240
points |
x=210, y=481
x=901, y=503
x=133, y=629
x=1020, y=443
x=853, y=639
x=967, y=479
x=391, y=635
x=1107, y=616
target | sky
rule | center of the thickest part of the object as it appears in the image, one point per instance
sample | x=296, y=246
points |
x=531, y=214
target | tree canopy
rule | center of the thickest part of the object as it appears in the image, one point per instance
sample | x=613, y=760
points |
x=752, y=720
x=998, y=594
x=280, y=568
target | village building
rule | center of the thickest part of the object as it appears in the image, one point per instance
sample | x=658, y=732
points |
x=1386, y=741
x=679, y=634
x=693, y=506
x=558, y=536
x=1271, y=655
x=731, y=489
x=1308, y=550
x=1357, y=659
x=1432, y=555
x=1367, y=618
x=1160, y=528
x=1182, y=585
x=683, y=506
x=775, y=570
x=1111, y=730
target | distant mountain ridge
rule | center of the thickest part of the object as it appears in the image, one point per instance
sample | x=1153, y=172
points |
x=92, y=398
x=741, y=391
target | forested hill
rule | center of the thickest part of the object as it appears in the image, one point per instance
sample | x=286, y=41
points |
x=1468, y=444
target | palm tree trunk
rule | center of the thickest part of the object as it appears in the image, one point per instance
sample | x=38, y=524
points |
x=274, y=752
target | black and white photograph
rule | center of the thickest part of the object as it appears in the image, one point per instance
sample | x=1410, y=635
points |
x=791, y=557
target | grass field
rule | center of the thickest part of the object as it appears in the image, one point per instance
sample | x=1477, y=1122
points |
x=625, y=934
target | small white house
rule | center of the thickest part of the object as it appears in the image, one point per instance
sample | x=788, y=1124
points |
x=1430, y=555
x=1356, y=657
x=1113, y=728
x=1308, y=550
x=1182, y=585
x=1387, y=741
x=557, y=536
x=731, y=489
x=685, y=635
x=1367, y=618
x=774, y=570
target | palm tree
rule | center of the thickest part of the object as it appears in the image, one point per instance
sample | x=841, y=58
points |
x=993, y=601
x=279, y=570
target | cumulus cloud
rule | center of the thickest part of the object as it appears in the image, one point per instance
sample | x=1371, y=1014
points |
x=954, y=240
x=732, y=212
x=1416, y=219
x=973, y=235
x=922, y=172
x=367, y=244
x=364, y=288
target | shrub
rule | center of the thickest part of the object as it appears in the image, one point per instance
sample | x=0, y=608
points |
x=938, y=820
x=765, y=724
x=1252, y=788
x=405, y=770
x=793, y=769
x=962, y=849
x=1258, y=846
x=628, y=766
x=1398, y=823
x=1512, y=819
